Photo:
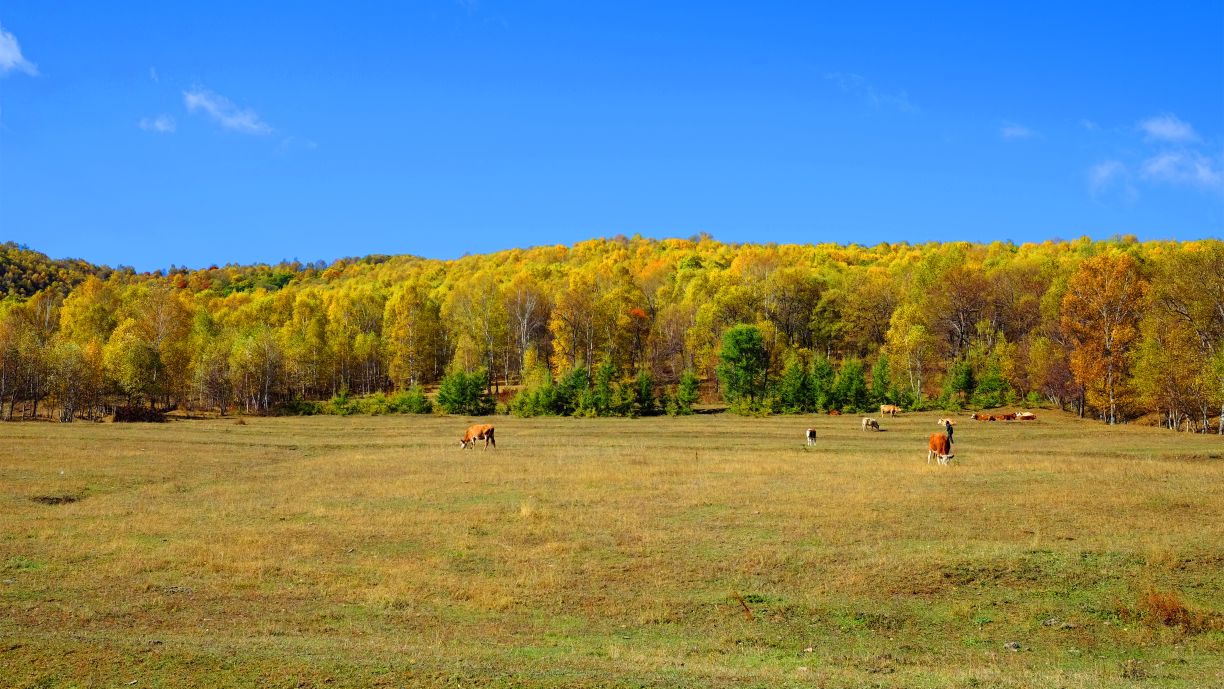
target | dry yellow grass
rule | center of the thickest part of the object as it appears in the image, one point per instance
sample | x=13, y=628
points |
x=373, y=552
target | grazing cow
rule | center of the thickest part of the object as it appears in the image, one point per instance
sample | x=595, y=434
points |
x=1026, y=416
x=480, y=431
x=889, y=409
x=870, y=423
x=811, y=436
x=938, y=449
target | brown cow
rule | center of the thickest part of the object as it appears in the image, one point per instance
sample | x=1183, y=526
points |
x=890, y=409
x=1007, y=417
x=938, y=449
x=480, y=431
x=834, y=412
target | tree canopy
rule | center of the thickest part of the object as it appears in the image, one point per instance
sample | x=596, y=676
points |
x=1115, y=329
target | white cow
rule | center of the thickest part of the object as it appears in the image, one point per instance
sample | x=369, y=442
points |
x=811, y=436
x=870, y=423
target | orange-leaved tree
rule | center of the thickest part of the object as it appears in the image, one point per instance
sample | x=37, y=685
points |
x=1100, y=312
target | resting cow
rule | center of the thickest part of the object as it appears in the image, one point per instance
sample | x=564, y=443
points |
x=938, y=449
x=480, y=431
x=1026, y=416
x=870, y=423
x=889, y=409
x=1007, y=417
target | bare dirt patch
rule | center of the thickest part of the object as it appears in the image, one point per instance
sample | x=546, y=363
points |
x=55, y=499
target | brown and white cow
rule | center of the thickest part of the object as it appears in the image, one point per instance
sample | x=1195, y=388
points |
x=889, y=409
x=1026, y=416
x=811, y=436
x=480, y=431
x=938, y=449
x=871, y=423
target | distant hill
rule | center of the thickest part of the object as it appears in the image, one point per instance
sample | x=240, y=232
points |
x=24, y=272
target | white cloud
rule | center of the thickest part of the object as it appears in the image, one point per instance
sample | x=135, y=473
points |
x=10, y=56
x=290, y=143
x=1167, y=127
x=1089, y=125
x=858, y=85
x=1184, y=167
x=1010, y=131
x=224, y=112
x=1105, y=175
x=153, y=75
x=162, y=124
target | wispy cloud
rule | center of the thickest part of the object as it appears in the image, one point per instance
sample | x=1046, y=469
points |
x=1174, y=156
x=224, y=112
x=291, y=143
x=1089, y=125
x=1184, y=167
x=1010, y=131
x=469, y=6
x=153, y=75
x=162, y=124
x=858, y=85
x=11, y=58
x=1168, y=127
x=1108, y=176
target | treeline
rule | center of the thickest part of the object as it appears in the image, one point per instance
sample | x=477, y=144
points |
x=24, y=273
x=1113, y=329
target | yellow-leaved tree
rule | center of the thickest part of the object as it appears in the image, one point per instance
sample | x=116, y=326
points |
x=1100, y=311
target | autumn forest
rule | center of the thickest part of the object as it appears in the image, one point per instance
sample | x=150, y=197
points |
x=1117, y=330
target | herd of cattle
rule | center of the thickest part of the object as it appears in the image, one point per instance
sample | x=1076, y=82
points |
x=939, y=445
x=1016, y=416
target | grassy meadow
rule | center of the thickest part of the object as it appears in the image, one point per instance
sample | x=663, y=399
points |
x=708, y=551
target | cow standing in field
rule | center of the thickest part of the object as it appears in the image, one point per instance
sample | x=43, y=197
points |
x=870, y=423
x=811, y=436
x=938, y=449
x=889, y=409
x=480, y=431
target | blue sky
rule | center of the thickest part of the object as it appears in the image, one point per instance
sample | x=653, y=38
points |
x=150, y=134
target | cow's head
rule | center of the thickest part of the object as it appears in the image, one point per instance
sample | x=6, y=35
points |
x=463, y=443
